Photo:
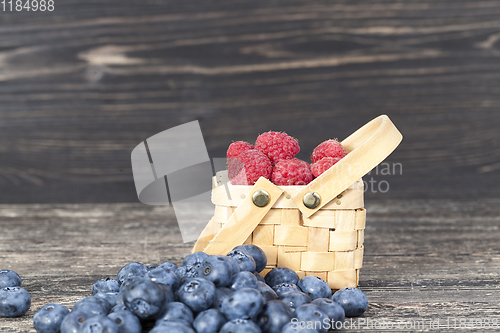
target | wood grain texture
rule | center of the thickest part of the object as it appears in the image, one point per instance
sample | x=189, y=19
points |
x=80, y=87
x=423, y=259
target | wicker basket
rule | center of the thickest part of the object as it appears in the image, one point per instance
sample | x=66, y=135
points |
x=325, y=240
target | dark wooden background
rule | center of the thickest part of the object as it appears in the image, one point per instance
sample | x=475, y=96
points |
x=81, y=86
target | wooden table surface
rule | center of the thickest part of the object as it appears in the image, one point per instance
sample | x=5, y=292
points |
x=424, y=260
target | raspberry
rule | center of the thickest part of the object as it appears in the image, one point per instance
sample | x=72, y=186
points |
x=277, y=146
x=237, y=148
x=329, y=148
x=248, y=167
x=324, y=164
x=292, y=172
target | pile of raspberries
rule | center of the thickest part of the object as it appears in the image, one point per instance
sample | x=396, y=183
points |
x=273, y=157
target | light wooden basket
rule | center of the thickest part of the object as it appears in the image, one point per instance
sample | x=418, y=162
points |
x=325, y=241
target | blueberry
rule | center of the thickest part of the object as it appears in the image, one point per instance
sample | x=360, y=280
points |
x=150, y=267
x=353, y=300
x=244, y=279
x=130, y=280
x=240, y=326
x=244, y=260
x=168, y=265
x=197, y=293
x=313, y=315
x=95, y=305
x=234, y=265
x=266, y=291
x=194, y=259
x=295, y=326
x=118, y=308
x=221, y=293
x=259, y=277
x=282, y=288
x=164, y=276
x=334, y=311
x=172, y=327
x=131, y=270
x=245, y=303
x=209, y=321
x=281, y=275
x=258, y=255
x=72, y=322
x=217, y=269
x=106, y=285
x=110, y=297
x=49, y=318
x=98, y=324
x=294, y=299
x=185, y=273
x=119, y=297
x=177, y=311
x=126, y=321
x=14, y=302
x=9, y=278
x=314, y=287
x=146, y=299
x=274, y=316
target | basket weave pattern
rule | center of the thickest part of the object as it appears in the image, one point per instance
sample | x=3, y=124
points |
x=329, y=244
x=325, y=238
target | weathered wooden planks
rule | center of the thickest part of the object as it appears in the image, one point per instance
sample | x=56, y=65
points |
x=422, y=259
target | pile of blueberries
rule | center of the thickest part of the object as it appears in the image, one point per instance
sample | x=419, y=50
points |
x=205, y=294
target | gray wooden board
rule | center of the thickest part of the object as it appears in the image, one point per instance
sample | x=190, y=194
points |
x=81, y=86
x=423, y=260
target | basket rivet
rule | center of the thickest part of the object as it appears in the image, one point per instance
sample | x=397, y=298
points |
x=311, y=200
x=261, y=198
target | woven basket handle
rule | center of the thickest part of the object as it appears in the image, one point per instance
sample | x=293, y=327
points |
x=243, y=221
x=366, y=148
